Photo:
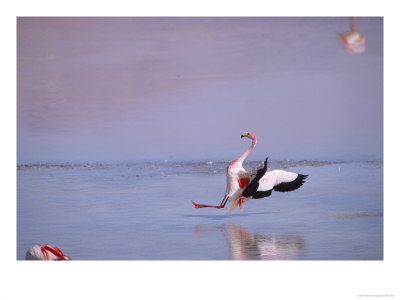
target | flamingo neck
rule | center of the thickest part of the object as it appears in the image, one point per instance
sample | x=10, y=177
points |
x=246, y=153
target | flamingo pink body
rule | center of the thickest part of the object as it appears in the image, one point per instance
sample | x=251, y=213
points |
x=237, y=178
x=45, y=252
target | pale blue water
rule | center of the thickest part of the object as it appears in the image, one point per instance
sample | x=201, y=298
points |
x=142, y=211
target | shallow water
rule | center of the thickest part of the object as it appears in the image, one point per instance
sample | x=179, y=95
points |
x=142, y=211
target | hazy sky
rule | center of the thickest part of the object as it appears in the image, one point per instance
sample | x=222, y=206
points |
x=128, y=89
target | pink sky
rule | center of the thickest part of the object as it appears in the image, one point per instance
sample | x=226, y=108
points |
x=127, y=89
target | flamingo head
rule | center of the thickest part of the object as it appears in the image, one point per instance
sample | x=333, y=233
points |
x=250, y=135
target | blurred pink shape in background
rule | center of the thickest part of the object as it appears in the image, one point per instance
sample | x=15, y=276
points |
x=354, y=42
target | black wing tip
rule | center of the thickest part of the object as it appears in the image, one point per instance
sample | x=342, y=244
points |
x=291, y=186
x=265, y=164
x=302, y=178
x=261, y=172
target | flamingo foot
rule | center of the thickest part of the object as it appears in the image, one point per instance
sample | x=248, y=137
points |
x=197, y=205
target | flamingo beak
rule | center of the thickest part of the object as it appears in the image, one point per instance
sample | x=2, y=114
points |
x=244, y=134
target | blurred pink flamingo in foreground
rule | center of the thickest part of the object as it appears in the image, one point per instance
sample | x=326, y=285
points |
x=45, y=252
x=244, y=185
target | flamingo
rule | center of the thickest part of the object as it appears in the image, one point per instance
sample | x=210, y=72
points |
x=353, y=41
x=242, y=185
x=45, y=252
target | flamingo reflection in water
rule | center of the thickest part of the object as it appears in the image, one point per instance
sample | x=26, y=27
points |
x=243, y=245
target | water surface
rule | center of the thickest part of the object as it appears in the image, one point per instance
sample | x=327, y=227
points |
x=142, y=211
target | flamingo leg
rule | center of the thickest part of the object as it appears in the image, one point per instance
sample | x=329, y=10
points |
x=222, y=205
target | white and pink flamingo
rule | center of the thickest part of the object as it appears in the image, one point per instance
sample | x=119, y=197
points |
x=45, y=252
x=242, y=185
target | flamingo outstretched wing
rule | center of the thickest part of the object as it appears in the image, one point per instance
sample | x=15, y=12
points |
x=277, y=180
x=264, y=183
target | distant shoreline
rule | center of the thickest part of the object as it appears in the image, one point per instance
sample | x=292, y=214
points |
x=280, y=163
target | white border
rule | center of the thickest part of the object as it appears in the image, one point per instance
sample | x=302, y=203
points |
x=197, y=280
